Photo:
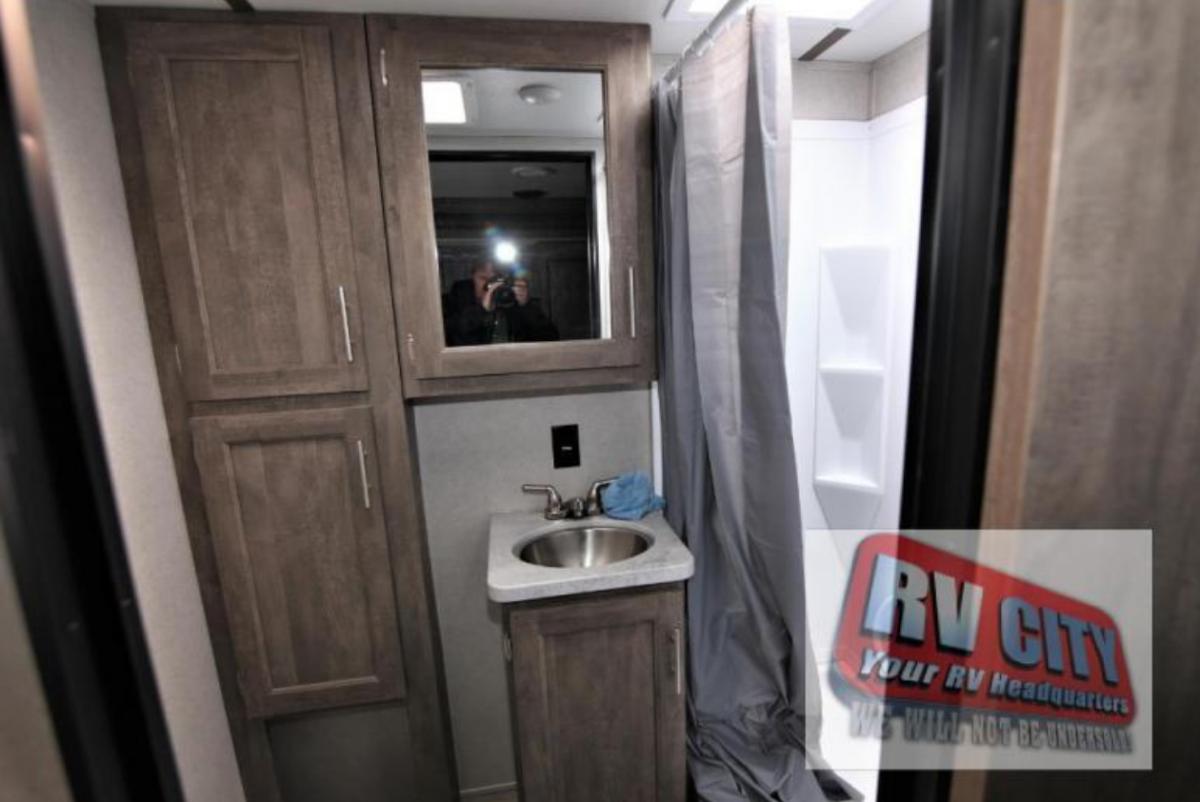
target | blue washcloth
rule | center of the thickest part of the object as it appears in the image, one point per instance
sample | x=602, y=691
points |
x=630, y=497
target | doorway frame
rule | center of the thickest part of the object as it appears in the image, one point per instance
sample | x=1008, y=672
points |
x=974, y=59
x=60, y=522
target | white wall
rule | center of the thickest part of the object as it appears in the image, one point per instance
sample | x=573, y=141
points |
x=473, y=457
x=99, y=247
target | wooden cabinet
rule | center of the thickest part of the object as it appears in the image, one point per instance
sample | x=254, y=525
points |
x=243, y=159
x=303, y=557
x=248, y=155
x=262, y=211
x=598, y=696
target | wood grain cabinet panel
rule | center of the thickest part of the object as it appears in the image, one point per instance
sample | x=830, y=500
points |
x=244, y=162
x=247, y=148
x=303, y=557
x=598, y=696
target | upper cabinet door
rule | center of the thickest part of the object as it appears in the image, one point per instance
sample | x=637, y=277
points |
x=244, y=167
x=293, y=504
x=515, y=159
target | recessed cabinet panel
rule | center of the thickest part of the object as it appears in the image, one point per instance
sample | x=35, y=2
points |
x=243, y=155
x=598, y=694
x=302, y=555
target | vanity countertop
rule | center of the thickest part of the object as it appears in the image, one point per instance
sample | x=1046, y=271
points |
x=510, y=579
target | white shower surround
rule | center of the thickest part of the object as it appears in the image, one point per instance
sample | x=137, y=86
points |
x=855, y=220
x=856, y=199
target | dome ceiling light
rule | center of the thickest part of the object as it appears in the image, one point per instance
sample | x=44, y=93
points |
x=539, y=94
x=533, y=171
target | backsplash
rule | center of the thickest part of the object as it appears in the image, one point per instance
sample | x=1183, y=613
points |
x=473, y=457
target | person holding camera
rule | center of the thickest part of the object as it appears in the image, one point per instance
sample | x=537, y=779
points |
x=494, y=307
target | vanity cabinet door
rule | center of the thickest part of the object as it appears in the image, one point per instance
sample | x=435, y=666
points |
x=302, y=556
x=243, y=152
x=598, y=692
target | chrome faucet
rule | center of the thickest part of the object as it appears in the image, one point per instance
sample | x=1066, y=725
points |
x=557, y=509
x=594, y=506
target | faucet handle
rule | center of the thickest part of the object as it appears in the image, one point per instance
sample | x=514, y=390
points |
x=554, y=506
x=594, y=505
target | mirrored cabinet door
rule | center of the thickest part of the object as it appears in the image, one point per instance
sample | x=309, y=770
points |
x=516, y=172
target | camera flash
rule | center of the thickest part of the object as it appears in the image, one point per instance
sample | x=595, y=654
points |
x=505, y=252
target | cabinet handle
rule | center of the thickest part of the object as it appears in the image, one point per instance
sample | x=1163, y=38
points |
x=383, y=76
x=677, y=659
x=345, y=324
x=362, y=475
x=632, y=306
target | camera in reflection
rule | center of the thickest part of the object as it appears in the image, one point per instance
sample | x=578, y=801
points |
x=504, y=296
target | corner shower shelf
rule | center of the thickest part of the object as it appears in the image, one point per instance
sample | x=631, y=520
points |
x=852, y=338
x=852, y=369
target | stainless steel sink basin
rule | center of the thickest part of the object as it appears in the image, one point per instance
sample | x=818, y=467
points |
x=584, y=546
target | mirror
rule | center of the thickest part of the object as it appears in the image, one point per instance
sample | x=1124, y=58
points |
x=517, y=173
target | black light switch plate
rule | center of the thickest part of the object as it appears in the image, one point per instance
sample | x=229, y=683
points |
x=564, y=441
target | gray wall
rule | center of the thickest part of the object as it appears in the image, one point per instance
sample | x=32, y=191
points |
x=99, y=247
x=899, y=76
x=31, y=768
x=841, y=90
x=830, y=90
x=474, y=456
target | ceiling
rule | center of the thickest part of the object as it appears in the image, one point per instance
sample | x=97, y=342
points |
x=895, y=23
x=496, y=110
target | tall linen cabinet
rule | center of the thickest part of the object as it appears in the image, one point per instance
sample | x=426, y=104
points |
x=248, y=153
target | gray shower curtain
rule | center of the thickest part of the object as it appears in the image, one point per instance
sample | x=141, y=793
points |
x=722, y=185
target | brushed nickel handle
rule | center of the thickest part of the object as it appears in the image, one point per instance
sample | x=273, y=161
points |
x=677, y=645
x=555, y=510
x=345, y=324
x=594, y=505
x=362, y=475
x=632, y=306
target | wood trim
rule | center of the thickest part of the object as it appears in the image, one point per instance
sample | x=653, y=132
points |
x=1030, y=200
x=432, y=752
x=525, y=383
x=827, y=41
x=1030, y=206
x=401, y=45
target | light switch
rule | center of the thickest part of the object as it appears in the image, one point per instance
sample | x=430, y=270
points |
x=564, y=441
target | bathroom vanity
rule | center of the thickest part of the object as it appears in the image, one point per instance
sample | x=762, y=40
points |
x=309, y=223
x=595, y=642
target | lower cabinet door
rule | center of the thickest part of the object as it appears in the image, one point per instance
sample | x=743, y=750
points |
x=598, y=697
x=303, y=558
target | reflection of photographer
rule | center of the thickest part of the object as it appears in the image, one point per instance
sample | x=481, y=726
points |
x=494, y=307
